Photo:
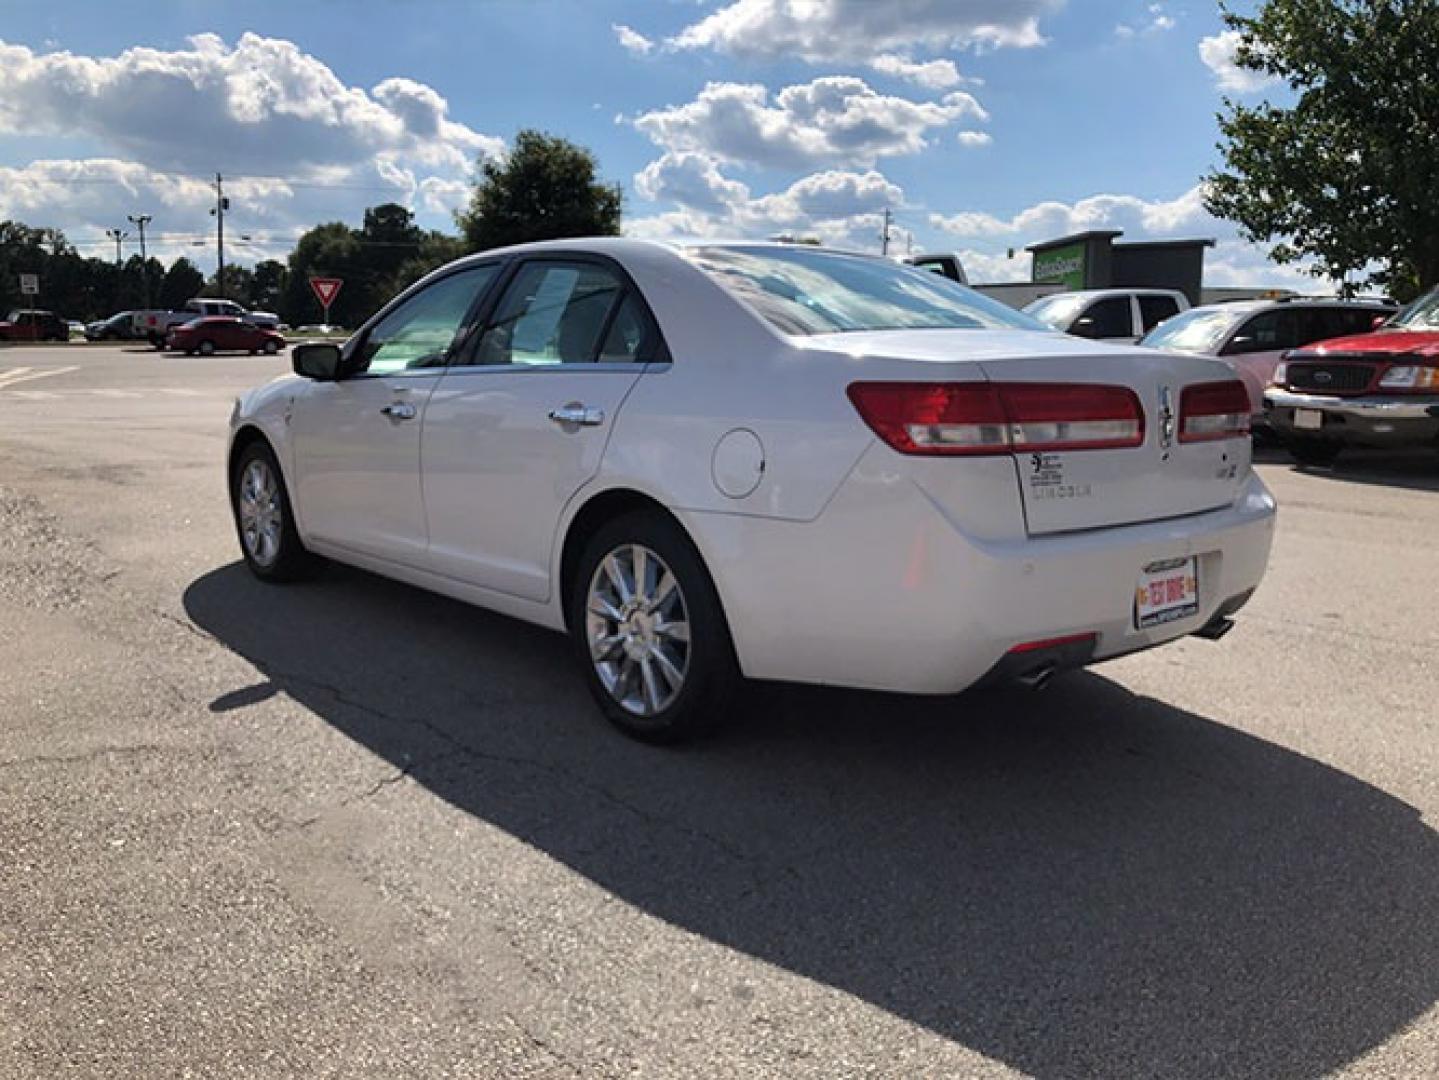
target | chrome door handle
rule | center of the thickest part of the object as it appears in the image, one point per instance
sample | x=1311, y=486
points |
x=578, y=414
x=399, y=410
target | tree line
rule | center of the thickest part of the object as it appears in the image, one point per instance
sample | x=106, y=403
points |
x=546, y=188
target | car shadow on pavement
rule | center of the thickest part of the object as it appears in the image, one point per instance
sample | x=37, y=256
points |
x=1416, y=470
x=1080, y=882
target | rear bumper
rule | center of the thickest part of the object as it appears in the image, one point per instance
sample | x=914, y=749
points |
x=1394, y=420
x=884, y=592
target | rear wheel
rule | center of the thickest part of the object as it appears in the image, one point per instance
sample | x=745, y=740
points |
x=263, y=518
x=649, y=630
x=207, y=348
x=1308, y=451
x=271, y=347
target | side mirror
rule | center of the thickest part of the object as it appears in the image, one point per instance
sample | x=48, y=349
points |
x=1237, y=345
x=318, y=360
x=1084, y=327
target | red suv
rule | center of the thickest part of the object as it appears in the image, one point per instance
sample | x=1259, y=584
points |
x=222, y=332
x=32, y=325
x=1375, y=389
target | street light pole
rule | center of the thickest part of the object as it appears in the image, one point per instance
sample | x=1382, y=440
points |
x=140, y=222
x=118, y=236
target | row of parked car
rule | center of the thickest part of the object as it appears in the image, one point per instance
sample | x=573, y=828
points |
x=1321, y=373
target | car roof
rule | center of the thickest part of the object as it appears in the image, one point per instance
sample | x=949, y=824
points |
x=1249, y=307
x=1100, y=294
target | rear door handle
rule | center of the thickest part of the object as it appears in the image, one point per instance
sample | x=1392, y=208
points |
x=399, y=410
x=578, y=414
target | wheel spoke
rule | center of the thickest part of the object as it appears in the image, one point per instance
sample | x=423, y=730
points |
x=606, y=647
x=668, y=668
x=600, y=606
x=640, y=565
x=615, y=572
x=678, y=630
x=663, y=591
x=651, y=685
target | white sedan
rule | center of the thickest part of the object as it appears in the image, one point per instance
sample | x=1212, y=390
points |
x=759, y=461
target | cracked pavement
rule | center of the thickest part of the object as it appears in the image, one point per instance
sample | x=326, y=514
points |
x=349, y=829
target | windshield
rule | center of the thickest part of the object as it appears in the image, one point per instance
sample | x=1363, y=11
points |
x=1196, y=331
x=1421, y=314
x=805, y=291
x=1057, y=311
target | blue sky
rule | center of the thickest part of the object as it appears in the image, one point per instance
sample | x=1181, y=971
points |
x=983, y=125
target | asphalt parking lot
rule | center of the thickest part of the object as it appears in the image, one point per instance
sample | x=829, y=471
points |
x=351, y=829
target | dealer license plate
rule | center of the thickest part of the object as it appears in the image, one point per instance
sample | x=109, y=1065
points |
x=1308, y=419
x=1167, y=591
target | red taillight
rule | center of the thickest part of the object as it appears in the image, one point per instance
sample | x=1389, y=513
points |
x=1217, y=410
x=999, y=418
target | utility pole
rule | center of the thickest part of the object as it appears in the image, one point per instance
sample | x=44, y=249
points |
x=119, y=237
x=884, y=236
x=140, y=222
x=221, y=205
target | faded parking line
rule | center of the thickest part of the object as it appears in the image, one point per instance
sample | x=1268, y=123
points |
x=25, y=374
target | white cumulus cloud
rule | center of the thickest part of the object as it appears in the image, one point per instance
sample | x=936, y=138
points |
x=826, y=31
x=831, y=120
x=1217, y=52
x=974, y=138
x=931, y=74
x=631, y=40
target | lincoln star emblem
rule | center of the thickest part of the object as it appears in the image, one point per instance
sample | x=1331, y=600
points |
x=1166, y=417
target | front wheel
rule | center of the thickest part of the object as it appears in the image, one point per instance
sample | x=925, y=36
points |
x=649, y=630
x=268, y=538
x=1309, y=451
x=207, y=348
x=271, y=348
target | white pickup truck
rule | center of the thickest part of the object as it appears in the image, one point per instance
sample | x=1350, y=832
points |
x=155, y=324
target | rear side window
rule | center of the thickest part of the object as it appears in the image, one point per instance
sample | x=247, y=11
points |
x=1153, y=310
x=1108, y=318
x=560, y=313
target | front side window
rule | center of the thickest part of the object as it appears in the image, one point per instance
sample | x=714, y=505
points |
x=808, y=291
x=1153, y=310
x=559, y=313
x=1268, y=332
x=419, y=333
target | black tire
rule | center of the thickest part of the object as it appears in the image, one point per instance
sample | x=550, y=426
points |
x=291, y=560
x=1314, y=451
x=271, y=348
x=207, y=348
x=711, y=672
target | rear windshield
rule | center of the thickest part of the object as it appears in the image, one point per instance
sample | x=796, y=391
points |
x=1195, y=331
x=807, y=291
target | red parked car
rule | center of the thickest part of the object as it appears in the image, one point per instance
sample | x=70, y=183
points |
x=220, y=333
x=1375, y=389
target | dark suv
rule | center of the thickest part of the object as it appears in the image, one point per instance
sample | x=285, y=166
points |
x=28, y=324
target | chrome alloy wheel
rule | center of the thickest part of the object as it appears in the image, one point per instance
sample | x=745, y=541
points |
x=638, y=629
x=261, y=519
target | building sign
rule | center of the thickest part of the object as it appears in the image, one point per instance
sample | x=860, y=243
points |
x=1061, y=266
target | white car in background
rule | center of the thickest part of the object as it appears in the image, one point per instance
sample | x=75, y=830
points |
x=765, y=461
x=1116, y=315
x=1253, y=335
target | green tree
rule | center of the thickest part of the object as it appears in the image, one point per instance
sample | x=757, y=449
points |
x=182, y=282
x=1346, y=175
x=329, y=250
x=545, y=189
x=267, y=288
